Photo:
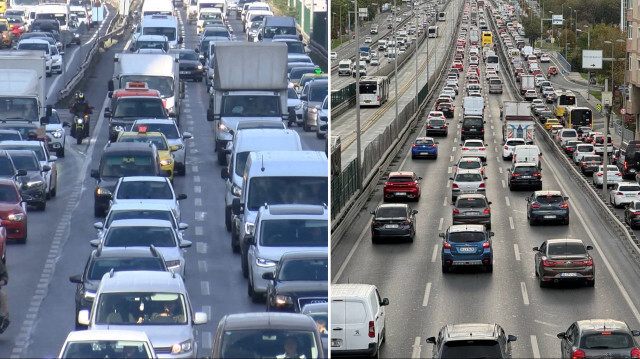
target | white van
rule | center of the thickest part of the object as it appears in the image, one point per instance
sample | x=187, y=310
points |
x=357, y=319
x=158, y=7
x=165, y=25
x=566, y=135
x=344, y=67
x=527, y=153
x=244, y=142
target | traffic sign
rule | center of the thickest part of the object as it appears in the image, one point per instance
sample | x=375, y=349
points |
x=623, y=111
x=599, y=107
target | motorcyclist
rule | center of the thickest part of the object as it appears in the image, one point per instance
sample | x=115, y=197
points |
x=4, y=310
x=80, y=108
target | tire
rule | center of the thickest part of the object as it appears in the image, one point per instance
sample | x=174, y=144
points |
x=542, y=283
x=305, y=128
x=319, y=135
x=54, y=191
x=255, y=297
x=489, y=226
x=60, y=152
x=489, y=268
x=227, y=218
x=235, y=247
x=42, y=206
x=445, y=269
x=97, y=212
x=79, y=140
x=532, y=222
x=591, y=283
x=566, y=221
x=245, y=265
x=222, y=158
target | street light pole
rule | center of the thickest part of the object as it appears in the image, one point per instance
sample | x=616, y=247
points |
x=565, y=30
x=358, y=134
x=395, y=41
x=415, y=53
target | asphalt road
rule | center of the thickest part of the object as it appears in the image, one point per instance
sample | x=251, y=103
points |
x=423, y=299
x=41, y=298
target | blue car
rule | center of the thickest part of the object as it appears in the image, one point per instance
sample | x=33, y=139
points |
x=424, y=147
x=467, y=245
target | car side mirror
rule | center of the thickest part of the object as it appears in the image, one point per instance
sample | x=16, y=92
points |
x=94, y=242
x=451, y=178
x=186, y=135
x=181, y=196
x=185, y=244
x=441, y=235
x=224, y=173
x=566, y=198
x=200, y=318
x=431, y=340
x=385, y=301
x=21, y=173
x=174, y=148
x=511, y=338
x=94, y=174
x=268, y=276
x=250, y=239
x=536, y=249
x=562, y=335
x=489, y=202
x=589, y=248
x=419, y=177
x=373, y=212
x=83, y=317
x=66, y=124
x=491, y=234
x=635, y=333
x=44, y=120
x=46, y=168
x=107, y=113
x=183, y=226
x=98, y=225
x=304, y=98
x=53, y=158
x=76, y=278
x=415, y=211
x=132, y=48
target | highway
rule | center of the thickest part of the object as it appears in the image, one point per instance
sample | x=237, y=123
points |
x=423, y=299
x=41, y=298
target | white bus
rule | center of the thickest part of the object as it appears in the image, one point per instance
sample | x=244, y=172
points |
x=158, y=7
x=374, y=90
x=493, y=62
x=433, y=31
x=442, y=16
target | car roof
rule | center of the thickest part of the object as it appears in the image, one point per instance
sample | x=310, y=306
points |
x=142, y=281
x=525, y=164
x=471, y=330
x=472, y=195
x=120, y=223
x=401, y=173
x=547, y=192
x=127, y=147
x=466, y=228
x=601, y=324
x=124, y=252
x=139, y=205
x=144, y=179
x=268, y=320
x=393, y=205
x=564, y=241
x=469, y=170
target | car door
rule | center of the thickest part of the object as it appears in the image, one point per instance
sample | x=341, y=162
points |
x=380, y=316
x=538, y=256
x=566, y=343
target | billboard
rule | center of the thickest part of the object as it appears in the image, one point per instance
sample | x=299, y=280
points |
x=592, y=59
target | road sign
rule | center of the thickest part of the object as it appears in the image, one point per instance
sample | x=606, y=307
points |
x=556, y=19
x=623, y=111
x=592, y=59
x=599, y=107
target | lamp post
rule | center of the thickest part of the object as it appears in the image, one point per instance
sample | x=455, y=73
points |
x=576, y=12
x=552, y=33
x=565, y=30
x=607, y=119
x=358, y=135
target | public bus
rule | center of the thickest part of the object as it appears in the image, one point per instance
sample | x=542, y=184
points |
x=433, y=31
x=374, y=90
x=493, y=62
x=578, y=116
x=487, y=38
x=564, y=98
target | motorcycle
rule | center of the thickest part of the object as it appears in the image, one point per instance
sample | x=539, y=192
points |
x=80, y=128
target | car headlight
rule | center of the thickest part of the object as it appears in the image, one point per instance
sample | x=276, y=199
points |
x=103, y=192
x=236, y=191
x=21, y=28
x=173, y=264
x=57, y=133
x=282, y=300
x=32, y=184
x=166, y=162
x=313, y=110
x=58, y=44
x=80, y=121
x=172, y=46
x=89, y=295
x=180, y=146
x=199, y=67
x=184, y=347
x=223, y=127
x=265, y=263
x=248, y=228
x=16, y=217
x=76, y=35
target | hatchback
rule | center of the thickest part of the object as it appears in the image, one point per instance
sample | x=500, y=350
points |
x=507, y=150
x=624, y=193
x=547, y=206
x=589, y=164
x=449, y=91
x=425, y=147
x=580, y=151
x=632, y=214
x=436, y=114
x=474, y=148
x=402, y=185
x=530, y=95
x=466, y=245
x=437, y=127
x=524, y=174
x=472, y=209
x=470, y=163
x=467, y=181
x=393, y=221
x=472, y=340
x=599, y=338
x=447, y=109
x=564, y=260
x=613, y=176
x=550, y=122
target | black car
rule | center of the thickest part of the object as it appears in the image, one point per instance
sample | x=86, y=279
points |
x=632, y=214
x=121, y=159
x=472, y=340
x=447, y=109
x=33, y=186
x=599, y=338
x=300, y=278
x=189, y=64
x=524, y=174
x=393, y=221
x=102, y=260
x=472, y=128
x=563, y=260
x=8, y=169
x=547, y=206
x=589, y=164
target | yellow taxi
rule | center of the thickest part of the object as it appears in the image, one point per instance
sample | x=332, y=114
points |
x=165, y=152
x=550, y=122
x=6, y=37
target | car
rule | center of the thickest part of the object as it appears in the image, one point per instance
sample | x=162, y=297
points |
x=474, y=148
x=33, y=184
x=56, y=134
x=552, y=71
x=150, y=189
x=334, y=55
x=396, y=221
x=467, y=181
x=598, y=144
x=319, y=312
x=466, y=245
x=473, y=60
x=437, y=126
x=368, y=39
x=547, y=206
x=449, y=91
x=457, y=65
x=566, y=259
x=189, y=64
x=581, y=150
x=530, y=95
x=484, y=340
x=624, y=193
x=509, y=145
x=446, y=108
x=13, y=212
x=570, y=146
x=538, y=108
x=613, y=176
x=402, y=185
x=175, y=139
x=299, y=278
x=143, y=135
x=545, y=58
x=424, y=147
x=592, y=338
x=470, y=163
x=589, y=164
x=374, y=62
x=472, y=209
x=524, y=174
x=105, y=259
x=107, y=343
x=550, y=122
x=632, y=214
x=436, y=114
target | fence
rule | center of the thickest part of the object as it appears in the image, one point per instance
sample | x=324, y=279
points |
x=625, y=133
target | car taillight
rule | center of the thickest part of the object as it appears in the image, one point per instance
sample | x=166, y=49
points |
x=414, y=145
x=376, y=224
x=506, y=147
x=433, y=145
x=586, y=263
x=515, y=175
x=625, y=165
x=481, y=185
x=619, y=194
x=482, y=130
x=619, y=174
x=535, y=205
x=537, y=175
x=600, y=174
x=465, y=148
x=481, y=149
x=378, y=98
x=564, y=205
x=548, y=263
x=456, y=211
x=447, y=245
x=486, y=244
x=454, y=186
x=372, y=329
x=486, y=211
x=584, y=164
x=444, y=126
x=635, y=353
x=406, y=223
x=428, y=126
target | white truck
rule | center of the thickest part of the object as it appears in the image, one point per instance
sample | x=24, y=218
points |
x=472, y=106
x=243, y=90
x=159, y=71
x=23, y=79
x=517, y=121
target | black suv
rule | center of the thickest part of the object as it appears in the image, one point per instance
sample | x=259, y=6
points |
x=472, y=128
x=103, y=260
x=122, y=159
x=472, y=340
x=8, y=169
x=547, y=206
x=524, y=174
x=599, y=338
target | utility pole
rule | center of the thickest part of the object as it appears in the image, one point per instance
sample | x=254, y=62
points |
x=358, y=135
x=605, y=154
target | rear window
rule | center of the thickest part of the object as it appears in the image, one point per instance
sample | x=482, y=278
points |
x=471, y=349
x=437, y=122
x=567, y=248
x=495, y=82
x=514, y=142
x=606, y=341
x=391, y=212
x=475, y=122
x=469, y=165
x=585, y=148
x=525, y=170
x=466, y=237
x=629, y=188
x=473, y=202
x=569, y=133
x=468, y=177
x=591, y=159
x=550, y=199
x=400, y=179
x=424, y=142
x=473, y=144
x=347, y=312
x=632, y=149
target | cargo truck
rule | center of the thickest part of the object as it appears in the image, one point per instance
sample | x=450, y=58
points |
x=527, y=82
x=517, y=121
x=244, y=90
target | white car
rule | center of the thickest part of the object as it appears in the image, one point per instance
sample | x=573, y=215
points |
x=368, y=39
x=96, y=343
x=334, y=55
x=449, y=91
x=374, y=62
x=582, y=150
x=613, y=176
x=544, y=58
x=623, y=193
x=149, y=189
x=474, y=148
x=56, y=138
x=436, y=115
x=56, y=60
x=507, y=150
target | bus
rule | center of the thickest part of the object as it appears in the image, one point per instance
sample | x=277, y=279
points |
x=374, y=90
x=487, y=38
x=433, y=31
x=578, y=117
x=564, y=98
x=493, y=62
x=442, y=16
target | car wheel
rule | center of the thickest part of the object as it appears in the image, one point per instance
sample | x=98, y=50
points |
x=413, y=157
x=42, y=205
x=227, y=218
x=245, y=265
x=374, y=239
x=532, y=221
x=566, y=221
x=542, y=283
x=24, y=238
x=235, y=239
x=445, y=269
x=54, y=191
x=97, y=212
x=591, y=283
x=60, y=152
x=222, y=157
x=489, y=268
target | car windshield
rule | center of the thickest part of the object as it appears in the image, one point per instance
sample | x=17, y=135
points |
x=141, y=308
x=8, y=193
x=592, y=159
x=26, y=162
x=304, y=270
x=391, y=212
x=468, y=177
x=106, y=348
x=267, y=343
x=294, y=233
x=629, y=188
x=166, y=215
x=144, y=190
x=471, y=202
x=100, y=266
x=318, y=93
x=139, y=236
x=400, y=179
x=466, y=237
x=39, y=151
x=566, y=248
x=169, y=131
x=188, y=55
x=161, y=144
x=128, y=165
x=607, y=340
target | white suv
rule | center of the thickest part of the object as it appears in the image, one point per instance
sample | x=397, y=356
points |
x=624, y=193
x=507, y=150
x=156, y=303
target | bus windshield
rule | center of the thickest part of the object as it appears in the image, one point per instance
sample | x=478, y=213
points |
x=581, y=117
x=368, y=88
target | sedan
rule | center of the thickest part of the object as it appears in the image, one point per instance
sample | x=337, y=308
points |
x=523, y=174
x=402, y=185
x=457, y=65
x=599, y=338
x=449, y=91
x=564, y=260
x=613, y=176
x=472, y=209
x=424, y=147
x=507, y=150
x=589, y=164
x=368, y=39
x=393, y=221
x=530, y=95
x=150, y=189
x=447, y=109
x=467, y=181
x=334, y=55
x=474, y=148
x=13, y=211
x=547, y=206
x=544, y=58
x=437, y=127
x=632, y=214
x=470, y=163
x=624, y=193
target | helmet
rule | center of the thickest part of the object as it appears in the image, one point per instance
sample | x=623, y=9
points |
x=80, y=96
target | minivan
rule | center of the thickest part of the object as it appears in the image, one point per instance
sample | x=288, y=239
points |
x=357, y=309
x=629, y=158
x=472, y=128
x=281, y=25
x=527, y=153
x=495, y=86
x=567, y=134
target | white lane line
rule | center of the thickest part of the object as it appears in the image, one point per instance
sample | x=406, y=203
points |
x=455, y=140
x=207, y=310
x=416, y=348
x=201, y=247
x=448, y=184
x=525, y=296
x=534, y=346
x=196, y=179
x=444, y=204
x=448, y=170
x=516, y=250
x=453, y=150
x=434, y=255
x=194, y=169
x=197, y=202
x=204, y=287
x=497, y=158
x=451, y=160
x=427, y=290
x=492, y=129
x=200, y=216
x=202, y=266
x=511, y=223
x=197, y=189
x=504, y=184
x=440, y=224
x=495, y=149
x=207, y=339
x=199, y=230
x=506, y=199
x=351, y=252
x=500, y=169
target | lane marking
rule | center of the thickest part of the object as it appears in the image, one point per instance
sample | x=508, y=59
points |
x=196, y=179
x=434, y=255
x=500, y=169
x=197, y=202
x=207, y=340
x=202, y=266
x=534, y=346
x=506, y=199
x=440, y=224
x=427, y=290
x=525, y=296
x=201, y=247
x=453, y=150
x=504, y=184
x=351, y=252
x=444, y=204
x=200, y=216
x=197, y=189
x=516, y=251
x=199, y=231
x=194, y=169
x=204, y=287
x=416, y=348
x=451, y=160
x=511, y=223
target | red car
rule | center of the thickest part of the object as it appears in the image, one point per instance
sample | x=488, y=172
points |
x=16, y=26
x=12, y=212
x=457, y=65
x=402, y=185
x=552, y=71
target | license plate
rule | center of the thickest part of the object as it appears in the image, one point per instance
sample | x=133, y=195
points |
x=466, y=249
x=423, y=153
x=473, y=130
x=336, y=342
x=468, y=191
x=550, y=216
x=526, y=177
x=568, y=274
x=401, y=193
x=184, y=72
x=472, y=213
x=390, y=226
x=630, y=195
x=367, y=101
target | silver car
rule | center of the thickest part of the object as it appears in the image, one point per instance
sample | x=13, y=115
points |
x=472, y=209
x=323, y=119
x=317, y=92
x=467, y=181
x=171, y=132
